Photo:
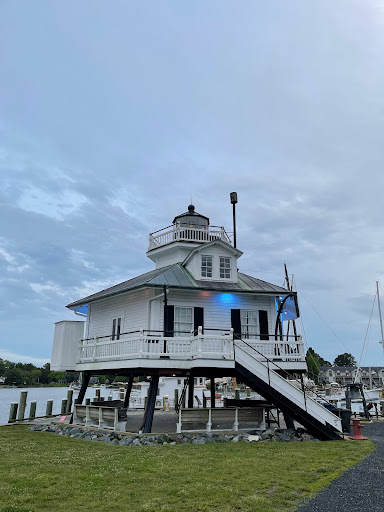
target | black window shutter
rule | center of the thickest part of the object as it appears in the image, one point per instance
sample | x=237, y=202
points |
x=236, y=323
x=169, y=316
x=198, y=319
x=263, y=321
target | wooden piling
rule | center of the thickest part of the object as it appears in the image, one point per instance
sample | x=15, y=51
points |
x=22, y=405
x=69, y=400
x=48, y=410
x=87, y=401
x=64, y=407
x=97, y=394
x=237, y=394
x=109, y=398
x=32, y=410
x=13, y=412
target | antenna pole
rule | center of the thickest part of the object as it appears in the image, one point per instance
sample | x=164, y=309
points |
x=233, y=196
x=381, y=320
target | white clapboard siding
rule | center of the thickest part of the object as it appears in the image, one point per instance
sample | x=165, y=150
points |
x=132, y=307
x=217, y=306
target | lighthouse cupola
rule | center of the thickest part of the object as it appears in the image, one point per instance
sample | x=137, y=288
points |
x=188, y=231
x=191, y=219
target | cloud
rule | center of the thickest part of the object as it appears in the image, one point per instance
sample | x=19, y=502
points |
x=20, y=358
x=145, y=106
x=56, y=205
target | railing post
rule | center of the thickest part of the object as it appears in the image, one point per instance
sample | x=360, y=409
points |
x=94, y=349
x=141, y=345
x=79, y=358
x=231, y=341
x=199, y=340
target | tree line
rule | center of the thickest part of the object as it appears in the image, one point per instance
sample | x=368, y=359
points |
x=27, y=374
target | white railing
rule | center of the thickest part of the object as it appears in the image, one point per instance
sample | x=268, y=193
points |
x=177, y=233
x=153, y=347
x=201, y=346
x=280, y=350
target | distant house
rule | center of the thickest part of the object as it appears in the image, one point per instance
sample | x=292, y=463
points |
x=2, y=381
x=343, y=375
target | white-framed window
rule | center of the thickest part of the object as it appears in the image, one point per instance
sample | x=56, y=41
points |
x=183, y=321
x=116, y=328
x=249, y=324
x=206, y=266
x=225, y=267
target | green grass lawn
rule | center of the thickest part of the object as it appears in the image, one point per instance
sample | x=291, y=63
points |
x=45, y=472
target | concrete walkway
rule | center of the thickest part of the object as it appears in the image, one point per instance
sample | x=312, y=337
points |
x=360, y=487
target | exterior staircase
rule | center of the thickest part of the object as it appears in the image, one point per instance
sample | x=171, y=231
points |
x=259, y=376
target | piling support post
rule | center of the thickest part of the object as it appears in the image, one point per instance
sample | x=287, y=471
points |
x=69, y=400
x=213, y=393
x=32, y=410
x=64, y=407
x=48, y=410
x=128, y=391
x=13, y=412
x=191, y=382
x=150, y=409
x=83, y=389
x=23, y=405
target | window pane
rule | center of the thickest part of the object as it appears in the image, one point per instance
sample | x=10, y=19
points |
x=206, y=266
x=225, y=267
x=118, y=328
x=183, y=323
x=249, y=328
x=113, y=328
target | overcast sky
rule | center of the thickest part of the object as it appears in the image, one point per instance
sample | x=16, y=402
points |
x=114, y=114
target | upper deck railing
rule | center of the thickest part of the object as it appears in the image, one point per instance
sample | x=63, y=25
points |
x=196, y=345
x=179, y=233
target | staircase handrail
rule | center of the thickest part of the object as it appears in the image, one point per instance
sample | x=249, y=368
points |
x=182, y=396
x=303, y=386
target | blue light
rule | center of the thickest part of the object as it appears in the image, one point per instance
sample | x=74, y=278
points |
x=226, y=298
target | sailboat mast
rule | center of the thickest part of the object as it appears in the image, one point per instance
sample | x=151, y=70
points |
x=381, y=320
x=290, y=288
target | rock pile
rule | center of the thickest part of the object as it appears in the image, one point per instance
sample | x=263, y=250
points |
x=123, y=439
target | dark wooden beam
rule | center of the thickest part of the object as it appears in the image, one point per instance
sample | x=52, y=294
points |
x=191, y=387
x=128, y=392
x=83, y=389
x=213, y=392
x=150, y=408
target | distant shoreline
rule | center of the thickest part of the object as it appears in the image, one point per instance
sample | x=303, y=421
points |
x=35, y=386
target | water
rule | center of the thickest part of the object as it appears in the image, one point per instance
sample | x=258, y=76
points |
x=41, y=395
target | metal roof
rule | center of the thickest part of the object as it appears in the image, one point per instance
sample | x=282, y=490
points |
x=176, y=276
